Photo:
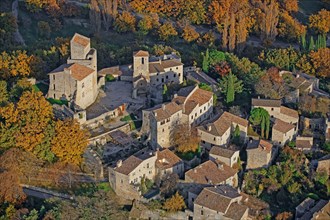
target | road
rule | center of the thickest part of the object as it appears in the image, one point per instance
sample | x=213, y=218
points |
x=44, y=193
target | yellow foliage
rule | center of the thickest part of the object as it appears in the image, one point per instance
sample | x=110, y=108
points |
x=166, y=31
x=320, y=21
x=15, y=64
x=320, y=60
x=70, y=141
x=175, y=203
x=190, y=34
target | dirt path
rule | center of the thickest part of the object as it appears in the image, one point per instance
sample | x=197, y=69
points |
x=17, y=35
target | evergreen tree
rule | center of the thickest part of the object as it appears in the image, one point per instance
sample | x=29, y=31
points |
x=311, y=44
x=206, y=61
x=236, y=135
x=230, y=95
x=165, y=91
x=303, y=41
x=260, y=116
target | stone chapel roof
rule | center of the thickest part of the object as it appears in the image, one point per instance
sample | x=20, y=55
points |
x=80, y=39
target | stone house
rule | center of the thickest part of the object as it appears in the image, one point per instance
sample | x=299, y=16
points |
x=313, y=126
x=323, y=164
x=260, y=153
x=219, y=202
x=126, y=175
x=229, y=156
x=191, y=106
x=155, y=71
x=309, y=209
x=167, y=162
x=304, y=143
x=213, y=173
x=276, y=110
x=219, y=132
x=282, y=132
x=77, y=80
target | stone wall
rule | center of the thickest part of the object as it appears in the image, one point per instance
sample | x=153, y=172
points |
x=257, y=158
x=279, y=138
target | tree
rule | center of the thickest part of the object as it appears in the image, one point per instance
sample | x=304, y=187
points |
x=125, y=22
x=271, y=85
x=222, y=68
x=206, y=58
x=167, y=31
x=175, y=203
x=260, y=116
x=147, y=23
x=311, y=44
x=190, y=34
x=8, y=26
x=167, y=184
x=109, y=11
x=70, y=141
x=15, y=64
x=289, y=5
x=3, y=92
x=280, y=58
x=320, y=22
x=284, y=216
x=290, y=28
x=229, y=85
x=185, y=138
x=44, y=29
x=236, y=135
x=95, y=16
x=320, y=60
x=10, y=190
x=268, y=19
x=35, y=5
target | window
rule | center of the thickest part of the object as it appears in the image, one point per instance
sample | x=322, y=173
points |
x=147, y=165
x=272, y=109
x=204, y=108
x=179, y=74
x=157, y=79
x=162, y=80
x=192, y=117
x=54, y=95
x=166, y=77
x=202, y=212
x=121, y=181
x=53, y=77
x=195, y=114
x=170, y=69
x=174, y=75
x=163, y=130
x=177, y=68
x=54, y=86
x=83, y=85
x=200, y=111
x=214, y=139
x=203, y=142
x=142, y=60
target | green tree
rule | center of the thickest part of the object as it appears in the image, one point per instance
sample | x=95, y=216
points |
x=260, y=116
x=236, y=135
x=303, y=42
x=311, y=44
x=206, y=62
x=229, y=85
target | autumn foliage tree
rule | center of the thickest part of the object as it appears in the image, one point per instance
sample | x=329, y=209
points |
x=320, y=60
x=17, y=63
x=125, y=22
x=166, y=31
x=175, y=203
x=320, y=22
x=290, y=28
x=189, y=34
x=185, y=138
x=70, y=141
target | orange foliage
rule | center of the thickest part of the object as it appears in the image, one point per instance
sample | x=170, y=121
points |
x=15, y=64
x=290, y=27
x=189, y=34
x=320, y=21
x=70, y=141
x=320, y=60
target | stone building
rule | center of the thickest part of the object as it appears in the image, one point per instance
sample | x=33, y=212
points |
x=260, y=153
x=220, y=202
x=229, y=155
x=309, y=209
x=282, y=132
x=76, y=81
x=276, y=110
x=191, y=106
x=126, y=175
x=155, y=72
x=304, y=144
x=213, y=173
x=219, y=132
x=323, y=164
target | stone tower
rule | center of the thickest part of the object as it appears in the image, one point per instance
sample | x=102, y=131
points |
x=141, y=78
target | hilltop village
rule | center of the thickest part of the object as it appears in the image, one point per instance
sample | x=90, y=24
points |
x=158, y=132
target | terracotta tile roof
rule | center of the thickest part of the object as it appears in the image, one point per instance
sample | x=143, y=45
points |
x=223, y=123
x=128, y=165
x=141, y=53
x=211, y=172
x=190, y=106
x=260, y=145
x=222, y=151
x=218, y=199
x=186, y=91
x=256, y=206
x=170, y=63
x=201, y=96
x=289, y=112
x=266, y=102
x=304, y=142
x=156, y=68
x=282, y=126
x=167, y=159
x=236, y=211
x=80, y=39
x=79, y=72
x=166, y=112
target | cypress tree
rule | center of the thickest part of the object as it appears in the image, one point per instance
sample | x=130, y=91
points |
x=303, y=41
x=206, y=60
x=230, y=97
x=311, y=44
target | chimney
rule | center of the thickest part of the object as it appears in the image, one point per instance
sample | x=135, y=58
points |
x=298, y=75
x=155, y=113
x=175, y=95
x=220, y=166
x=163, y=107
x=119, y=163
x=209, y=128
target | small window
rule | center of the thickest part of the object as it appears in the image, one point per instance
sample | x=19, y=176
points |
x=54, y=86
x=214, y=139
x=179, y=74
x=83, y=95
x=157, y=79
x=163, y=130
x=200, y=111
x=272, y=109
x=166, y=77
x=147, y=165
x=177, y=68
x=53, y=77
x=170, y=69
x=204, y=108
x=142, y=60
x=202, y=212
x=162, y=80
x=195, y=114
x=83, y=85
x=174, y=75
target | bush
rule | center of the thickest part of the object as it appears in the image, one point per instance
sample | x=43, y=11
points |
x=110, y=78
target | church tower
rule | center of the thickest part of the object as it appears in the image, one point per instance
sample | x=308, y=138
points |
x=141, y=78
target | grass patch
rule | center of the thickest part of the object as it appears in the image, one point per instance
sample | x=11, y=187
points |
x=110, y=78
x=40, y=87
x=105, y=186
x=56, y=101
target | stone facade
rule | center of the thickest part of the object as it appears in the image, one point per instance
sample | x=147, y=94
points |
x=260, y=153
x=154, y=72
x=229, y=156
x=191, y=106
x=76, y=81
x=283, y=132
x=219, y=132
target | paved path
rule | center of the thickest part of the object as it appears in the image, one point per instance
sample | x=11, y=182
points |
x=17, y=35
x=44, y=193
